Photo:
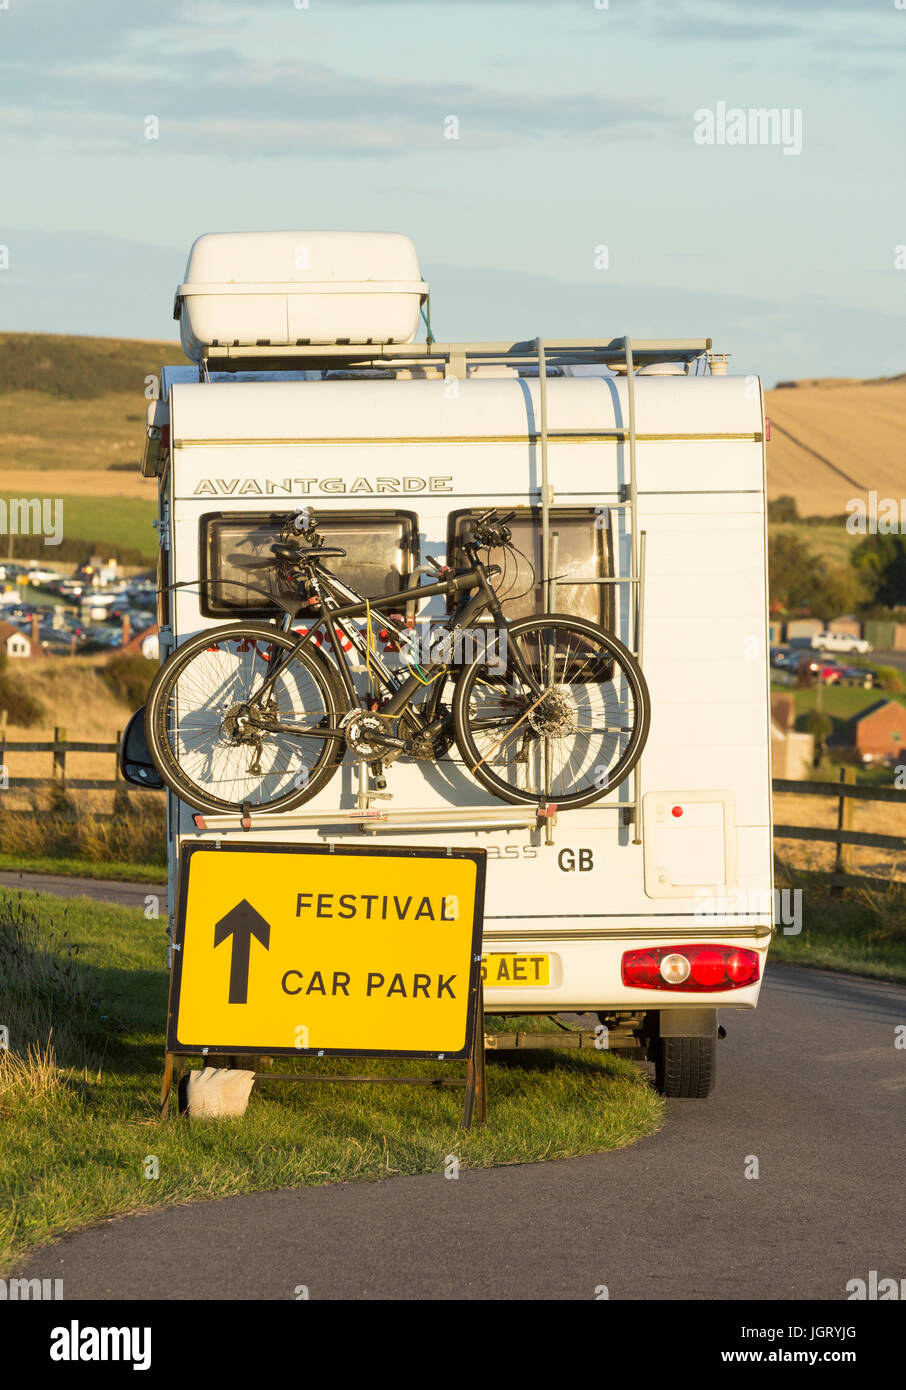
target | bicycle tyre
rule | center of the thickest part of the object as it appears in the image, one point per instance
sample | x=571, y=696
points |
x=610, y=650
x=311, y=661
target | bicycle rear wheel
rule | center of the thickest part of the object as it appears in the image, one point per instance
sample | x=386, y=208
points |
x=567, y=735
x=203, y=742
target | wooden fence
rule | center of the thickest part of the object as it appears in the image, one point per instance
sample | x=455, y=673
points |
x=59, y=747
x=842, y=835
x=846, y=793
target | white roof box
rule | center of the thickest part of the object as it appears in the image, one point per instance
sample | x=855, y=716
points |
x=286, y=289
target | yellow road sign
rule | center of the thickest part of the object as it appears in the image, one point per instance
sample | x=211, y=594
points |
x=313, y=949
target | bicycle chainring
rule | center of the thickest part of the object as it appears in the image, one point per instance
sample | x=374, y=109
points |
x=360, y=728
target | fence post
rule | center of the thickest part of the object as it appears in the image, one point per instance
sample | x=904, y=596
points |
x=844, y=822
x=59, y=755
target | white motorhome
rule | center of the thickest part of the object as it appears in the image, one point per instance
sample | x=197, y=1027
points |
x=637, y=479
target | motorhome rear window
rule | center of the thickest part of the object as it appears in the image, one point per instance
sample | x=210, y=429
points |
x=381, y=553
x=580, y=549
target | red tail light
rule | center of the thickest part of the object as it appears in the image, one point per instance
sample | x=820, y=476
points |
x=710, y=968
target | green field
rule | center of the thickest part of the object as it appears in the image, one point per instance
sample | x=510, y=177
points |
x=112, y=521
x=97, y=523
x=832, y=541
x=79, y=1117
x=839, y=702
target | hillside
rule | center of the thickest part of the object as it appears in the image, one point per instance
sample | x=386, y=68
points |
x=832, y=440
x=74, y=409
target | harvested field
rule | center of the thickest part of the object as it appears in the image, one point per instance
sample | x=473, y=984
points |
x=833, y=440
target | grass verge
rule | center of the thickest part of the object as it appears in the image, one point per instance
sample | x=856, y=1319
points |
x=80, y=868
x=861, y=931
x=83, y=992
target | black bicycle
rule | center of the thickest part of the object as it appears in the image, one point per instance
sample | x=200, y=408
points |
x=547, y=710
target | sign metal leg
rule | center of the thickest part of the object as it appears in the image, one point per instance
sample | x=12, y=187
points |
x=167, y=1086
x=475, y=1100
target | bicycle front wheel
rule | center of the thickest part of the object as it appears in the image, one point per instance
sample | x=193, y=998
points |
x=220, y=749
x=554, y=711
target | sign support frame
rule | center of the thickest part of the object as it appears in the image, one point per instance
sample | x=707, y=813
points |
x=473, y=1083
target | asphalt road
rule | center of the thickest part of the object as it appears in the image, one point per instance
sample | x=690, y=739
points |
x=810, y=1084
x=101, y=890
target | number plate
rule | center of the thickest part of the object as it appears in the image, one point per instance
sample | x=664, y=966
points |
x=507, y=971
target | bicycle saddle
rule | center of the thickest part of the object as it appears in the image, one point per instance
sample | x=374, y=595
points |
x=292, y=551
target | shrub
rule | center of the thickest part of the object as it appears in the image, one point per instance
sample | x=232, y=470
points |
x=129, y=678
x=818, y=723
x=21, y=706
x=889, y=679
x=783, y=509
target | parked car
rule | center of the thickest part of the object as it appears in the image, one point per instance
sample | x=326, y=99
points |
x=36, y=574
x=140, y=618
x=840, y=642
x=72, y=588
x=794, y=662
x=857, y=675
x=104, y=636
x=784, y=656
x=9, y=571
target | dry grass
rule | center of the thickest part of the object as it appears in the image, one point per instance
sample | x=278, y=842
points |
x=77, y=700
x=78, y=482
x=41, y=432
x=44, y=822
x=32, y=1080
x=133, y=830
x=876, y=817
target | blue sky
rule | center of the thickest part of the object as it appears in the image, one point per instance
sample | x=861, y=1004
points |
x=576, y=130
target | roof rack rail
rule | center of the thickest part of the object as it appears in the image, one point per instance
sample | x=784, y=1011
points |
x=453, y=357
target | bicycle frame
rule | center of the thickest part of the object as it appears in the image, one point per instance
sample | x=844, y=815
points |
x=332, y=615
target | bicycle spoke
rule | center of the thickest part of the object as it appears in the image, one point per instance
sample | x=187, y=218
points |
x=217, y=746
x=567, y=734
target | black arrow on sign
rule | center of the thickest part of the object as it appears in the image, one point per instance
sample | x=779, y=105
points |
x=242, y=923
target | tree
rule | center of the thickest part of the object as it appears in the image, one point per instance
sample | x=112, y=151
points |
x=800, y=578
x=881, y=560
x=783, y=509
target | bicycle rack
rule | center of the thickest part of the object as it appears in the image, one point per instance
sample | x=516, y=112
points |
x=370, y=820
x=622, y=355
